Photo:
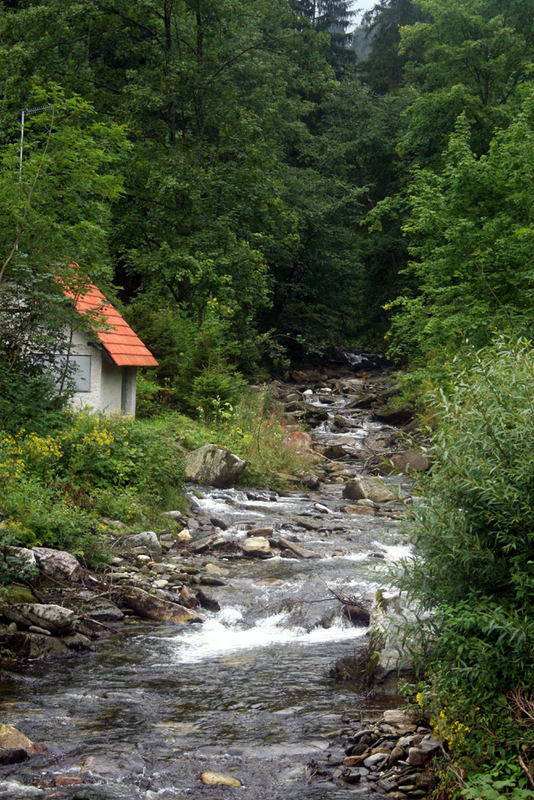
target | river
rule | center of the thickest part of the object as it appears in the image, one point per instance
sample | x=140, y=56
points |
x=252, y=693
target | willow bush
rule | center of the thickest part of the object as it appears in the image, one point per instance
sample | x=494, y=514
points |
x=473, y=533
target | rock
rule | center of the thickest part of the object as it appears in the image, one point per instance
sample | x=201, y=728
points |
x=266, y=532
x=207, y=602
x=19, y=594
x=177, y=516
x=37, y=629
x=26, y=557
x=58, y=564
x=146, y=539
x=406, y=461
x=257, y=546
x=213, y=466
x=36, y=646
x=13, y=755
x=51, y=617
x=400, y=720
x=359, y=509
x=149, y=606
x=390, y=615
x=395, y=415
x=366, y=488
x=309, y=523
x=420, y=754
x=219, y=779
x=67, y=780
x=356, y=613
x=12, y=739
x=309, y=480
x=375, y=760
x=184, y=536
x=296, y=549
x=300, y=441
x=77, y=641
x=209, y=542
x=334, y=450
x=322, y=509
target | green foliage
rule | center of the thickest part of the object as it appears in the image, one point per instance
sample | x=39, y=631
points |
x=250, y=428
x=472, y=244
x=474, y=565
x=464, y=56
x=55, y=487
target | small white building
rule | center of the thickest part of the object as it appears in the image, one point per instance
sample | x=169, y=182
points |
x=105, y=366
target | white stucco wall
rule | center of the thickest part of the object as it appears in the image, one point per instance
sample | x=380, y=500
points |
x=106, y=387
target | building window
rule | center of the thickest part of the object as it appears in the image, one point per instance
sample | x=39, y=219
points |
x=78, y=370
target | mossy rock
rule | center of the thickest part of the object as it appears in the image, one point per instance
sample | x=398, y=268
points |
x=19, y=594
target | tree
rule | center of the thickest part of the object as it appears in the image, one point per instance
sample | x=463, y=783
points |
x=54, y=212
x=466, y=56
x=471, y=242
x=383, y=68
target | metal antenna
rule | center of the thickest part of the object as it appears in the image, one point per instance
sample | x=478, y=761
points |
x=26, y=112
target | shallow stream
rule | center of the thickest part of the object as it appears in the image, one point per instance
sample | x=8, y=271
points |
x=250, y=693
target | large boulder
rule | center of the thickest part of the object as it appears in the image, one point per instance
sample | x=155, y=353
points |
x=366, y=488
x=58, y=564
x=213, y=466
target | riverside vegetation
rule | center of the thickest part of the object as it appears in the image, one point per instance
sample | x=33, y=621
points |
x=262, y=186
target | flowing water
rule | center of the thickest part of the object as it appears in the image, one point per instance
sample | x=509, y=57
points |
x=250, y=693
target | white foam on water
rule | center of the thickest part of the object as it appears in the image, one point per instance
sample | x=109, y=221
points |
x=395, y=552
x=226, y=633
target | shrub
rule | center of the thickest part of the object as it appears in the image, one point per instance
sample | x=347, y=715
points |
x=475, y=558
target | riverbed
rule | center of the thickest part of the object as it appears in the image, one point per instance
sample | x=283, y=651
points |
x=253, y=692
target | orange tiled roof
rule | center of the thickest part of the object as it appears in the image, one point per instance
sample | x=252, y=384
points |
x=124, y=347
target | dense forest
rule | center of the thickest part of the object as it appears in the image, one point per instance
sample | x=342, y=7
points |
x=255, y=183
x=258, y=192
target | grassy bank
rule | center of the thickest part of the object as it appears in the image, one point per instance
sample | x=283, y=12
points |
x=59, y=488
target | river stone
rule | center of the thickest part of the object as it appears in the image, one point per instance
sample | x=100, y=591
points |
x=256, y=546
x=36, y=646
x=58, y=564
x=368, y=488
x=405, y=461
x=296, y=549
x=395, y=415
x=402, y=721
x=12, y=755
x=219, y=779
x=148, y=606
x=146, y=539
x=51, y=617
x=359, y=508
x=213, y=466
x=11, y=738
x=421, y=753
